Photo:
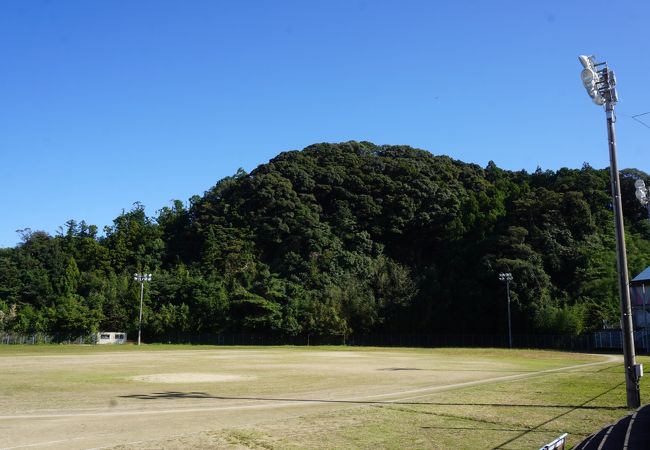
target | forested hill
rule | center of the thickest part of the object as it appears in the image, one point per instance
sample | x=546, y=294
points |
x=338, y=239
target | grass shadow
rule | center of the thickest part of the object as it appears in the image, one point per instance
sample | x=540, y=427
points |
x=572, y=409
x=170, y=395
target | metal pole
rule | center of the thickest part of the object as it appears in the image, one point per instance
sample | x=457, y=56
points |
x=631, y=383
x=645, y=321
x=509, y=322
x=141, y=300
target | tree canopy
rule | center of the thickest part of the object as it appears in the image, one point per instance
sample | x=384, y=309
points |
x=339, y=239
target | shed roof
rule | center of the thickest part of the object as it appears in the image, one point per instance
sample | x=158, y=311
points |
x=643, y=277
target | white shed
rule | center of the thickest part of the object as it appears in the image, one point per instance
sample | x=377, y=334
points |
x=111, y=337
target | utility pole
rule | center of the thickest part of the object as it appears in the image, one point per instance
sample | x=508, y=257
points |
x=600, y=84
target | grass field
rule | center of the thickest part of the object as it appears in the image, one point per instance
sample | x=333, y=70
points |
x=128, y=397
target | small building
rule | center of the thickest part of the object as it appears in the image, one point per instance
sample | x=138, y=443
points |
x=111, y=337
x=640, y=303
x=640, y=299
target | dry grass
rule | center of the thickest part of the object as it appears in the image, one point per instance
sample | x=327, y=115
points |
x=289, y=397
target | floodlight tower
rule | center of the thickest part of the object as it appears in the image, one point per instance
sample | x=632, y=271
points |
x=507, y=278
x=600, y=83
x=141, y=278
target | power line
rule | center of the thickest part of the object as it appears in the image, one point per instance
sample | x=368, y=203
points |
x=634, y=117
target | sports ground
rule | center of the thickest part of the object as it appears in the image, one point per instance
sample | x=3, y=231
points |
x=149, y=397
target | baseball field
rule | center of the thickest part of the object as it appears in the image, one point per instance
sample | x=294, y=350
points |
x=173, y=397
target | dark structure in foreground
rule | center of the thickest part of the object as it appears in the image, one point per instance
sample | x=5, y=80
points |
x=631, y=432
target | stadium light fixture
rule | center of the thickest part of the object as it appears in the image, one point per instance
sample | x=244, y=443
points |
x=141, y=278
x=600, y=82
x=642, y=193
x=595, y=81
x=507, y=278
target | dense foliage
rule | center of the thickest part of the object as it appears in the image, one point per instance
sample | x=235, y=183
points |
x=340, y=239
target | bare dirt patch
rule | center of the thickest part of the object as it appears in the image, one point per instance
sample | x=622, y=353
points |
x=190, y=377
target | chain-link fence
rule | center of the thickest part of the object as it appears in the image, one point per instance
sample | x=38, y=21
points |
x=43, y=338
x=606, y=340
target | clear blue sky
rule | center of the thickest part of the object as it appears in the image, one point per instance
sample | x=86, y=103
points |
x=105, y=103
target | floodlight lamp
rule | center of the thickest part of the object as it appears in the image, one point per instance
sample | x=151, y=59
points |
x=640, y=196
x=598, y=99
x=586, y=61
x=639, y=184
x=592, y=91
x=588, y=76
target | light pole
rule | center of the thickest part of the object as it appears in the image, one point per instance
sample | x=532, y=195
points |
x=141, y=278
x=600, y=83
x=507, y=278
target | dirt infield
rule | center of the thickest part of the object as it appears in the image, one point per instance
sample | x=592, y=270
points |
x=224, y=397
x=189, y=377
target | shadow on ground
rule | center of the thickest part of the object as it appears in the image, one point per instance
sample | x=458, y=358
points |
x=170, y=395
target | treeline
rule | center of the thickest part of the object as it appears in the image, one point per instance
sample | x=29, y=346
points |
x=339, y=239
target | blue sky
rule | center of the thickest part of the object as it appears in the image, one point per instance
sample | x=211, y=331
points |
x=105, y=103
